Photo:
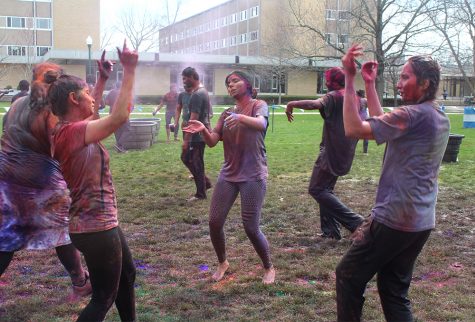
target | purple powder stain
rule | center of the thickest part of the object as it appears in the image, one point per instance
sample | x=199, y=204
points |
x=448, y=233
x=26, y=270
x=204, y=268
x=139, y=264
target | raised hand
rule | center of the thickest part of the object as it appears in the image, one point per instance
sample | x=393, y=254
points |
x=104, y=66
x=128, y=58
x=369, y=71
x=232, y=120
x=348, y=60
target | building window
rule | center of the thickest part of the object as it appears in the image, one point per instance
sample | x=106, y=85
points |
x=328, y=38
x=243, y=38
x=344, y=15
x=16, y=50
x=16, y=22
x=253, y=35
x=342, y=40
x=331, y=14
x=243, y=15
x=215, y=44
x=42, y=50
x=232, y=41
x=233, y=18
x=43, y=23
x=216, y=24
x=223, y=43
x=224, y=21
x=254, y=11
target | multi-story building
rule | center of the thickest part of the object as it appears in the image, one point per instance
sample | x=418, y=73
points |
x=283, y=57
x=31, y=29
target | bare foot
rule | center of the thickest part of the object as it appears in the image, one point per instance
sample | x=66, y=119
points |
x=222, y=268
x=269, y=276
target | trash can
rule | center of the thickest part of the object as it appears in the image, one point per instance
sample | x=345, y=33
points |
x=140, y=135
x=469, y=117
x=453, y=148
x=156, y=129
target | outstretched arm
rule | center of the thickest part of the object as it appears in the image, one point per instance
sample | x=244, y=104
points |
x=304, y=105
x=105, y=69
x=258, y=123
x=101, y=128
x=354, y=126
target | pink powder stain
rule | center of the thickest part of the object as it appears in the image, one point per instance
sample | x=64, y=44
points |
x=456, y=266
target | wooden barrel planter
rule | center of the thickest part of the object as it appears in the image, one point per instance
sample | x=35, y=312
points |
x=156, y=129
x=140, y=135
x=453, y=148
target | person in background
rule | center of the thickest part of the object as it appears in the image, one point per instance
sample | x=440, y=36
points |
x=94, y=227
x=24, y=87
x=242, y=129
x=121, y=132
x=335, y=158
x=364, y=114
x=193, y=146
x=416, y=135
x=170, y=99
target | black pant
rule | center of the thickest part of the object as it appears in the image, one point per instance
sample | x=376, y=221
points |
x=193, y=159
x=391, y=254
x=112, y=273
x=332, y=211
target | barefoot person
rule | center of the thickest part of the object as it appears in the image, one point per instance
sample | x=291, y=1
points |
x=242, y=129
x=404, y=214
x=84, y=162
x=34, y=199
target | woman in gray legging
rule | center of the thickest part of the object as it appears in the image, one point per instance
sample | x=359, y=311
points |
x=242, y=129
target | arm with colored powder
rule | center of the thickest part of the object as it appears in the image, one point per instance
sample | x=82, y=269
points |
x=105, y=69
x=304, y=105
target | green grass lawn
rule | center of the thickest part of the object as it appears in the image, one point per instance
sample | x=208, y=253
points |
x=170, y=241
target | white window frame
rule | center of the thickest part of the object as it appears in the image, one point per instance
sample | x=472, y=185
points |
x=11, y=50
x=223, y=43
x=331, y=14
x=243, y=15
x=253, y=36
x=39, y=48
x=48, y=20
x=14, y=18
x=232, y=41
x=254, y=11
x=243, y=38
x=233, y=18
x=224, y=21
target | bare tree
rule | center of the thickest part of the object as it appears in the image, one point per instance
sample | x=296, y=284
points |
x=453, y=18
x=141, y=25
x=387, y=28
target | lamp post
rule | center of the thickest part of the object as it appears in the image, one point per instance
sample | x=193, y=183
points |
x=88, y=70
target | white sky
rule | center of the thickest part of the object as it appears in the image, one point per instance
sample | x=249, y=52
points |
x=110, y=9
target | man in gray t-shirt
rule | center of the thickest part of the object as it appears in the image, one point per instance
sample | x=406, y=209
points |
x=404, y=214
x=335, y=158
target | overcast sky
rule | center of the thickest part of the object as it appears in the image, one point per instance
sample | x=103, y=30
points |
x=110, y=9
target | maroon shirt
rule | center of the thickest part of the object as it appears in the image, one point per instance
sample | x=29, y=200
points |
x=86, y=171
x=244, y=149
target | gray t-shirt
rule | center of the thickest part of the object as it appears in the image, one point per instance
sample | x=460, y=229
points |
x=416, y=137
x=244, y=149
x=199, y=103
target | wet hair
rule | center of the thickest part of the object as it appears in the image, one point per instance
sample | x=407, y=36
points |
x=361, y=93
x=59, y=90
x=426, y=68
x=335, y=78
x=23, y=85
x=190, y=72
x=242, y=75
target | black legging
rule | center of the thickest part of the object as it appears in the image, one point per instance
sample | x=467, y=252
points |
x=252, y=198
x=112, y=273
x=68, y=256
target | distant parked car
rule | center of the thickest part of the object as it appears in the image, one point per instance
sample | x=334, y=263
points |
x=468, y=100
